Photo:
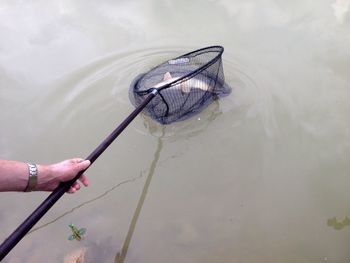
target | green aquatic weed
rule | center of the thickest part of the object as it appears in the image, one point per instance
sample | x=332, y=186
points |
x=76, y=233
x=338, y=225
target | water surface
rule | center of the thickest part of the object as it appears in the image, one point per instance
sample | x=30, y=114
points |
x=260, y=176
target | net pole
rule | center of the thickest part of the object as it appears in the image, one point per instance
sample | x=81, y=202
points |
x=40, y=211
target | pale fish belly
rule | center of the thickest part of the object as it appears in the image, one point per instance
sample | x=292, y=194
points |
x=186, y=85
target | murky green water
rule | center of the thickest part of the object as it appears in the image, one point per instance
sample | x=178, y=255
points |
x=261, y=176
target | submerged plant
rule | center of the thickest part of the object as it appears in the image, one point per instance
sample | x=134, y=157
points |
x=76, y=233
x=338, y=225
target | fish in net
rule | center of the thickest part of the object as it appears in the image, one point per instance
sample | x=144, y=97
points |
x=184, y=86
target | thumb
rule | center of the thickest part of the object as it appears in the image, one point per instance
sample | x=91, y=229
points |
x=83, y=165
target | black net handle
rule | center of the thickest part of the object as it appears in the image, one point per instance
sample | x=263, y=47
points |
x=38, y=213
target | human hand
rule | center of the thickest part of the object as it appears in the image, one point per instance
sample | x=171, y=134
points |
x=50, y=176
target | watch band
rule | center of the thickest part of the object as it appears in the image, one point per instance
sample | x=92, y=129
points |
x=33, y=177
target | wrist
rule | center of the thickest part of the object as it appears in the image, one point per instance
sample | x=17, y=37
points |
x=43, y=177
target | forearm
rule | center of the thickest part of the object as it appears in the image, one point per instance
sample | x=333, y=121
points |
x=13, y=175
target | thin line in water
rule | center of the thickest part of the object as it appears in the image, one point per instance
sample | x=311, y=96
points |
x=85, y=203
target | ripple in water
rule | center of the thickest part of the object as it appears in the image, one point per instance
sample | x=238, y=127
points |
x=99, y=86
x=100, y=90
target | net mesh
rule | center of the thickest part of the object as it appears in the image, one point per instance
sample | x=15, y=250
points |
x=185, y=85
